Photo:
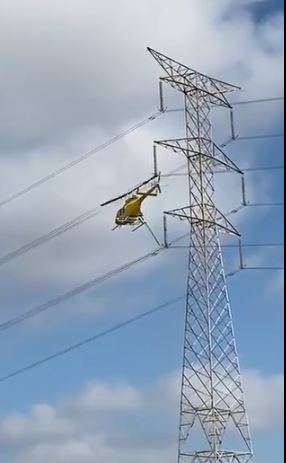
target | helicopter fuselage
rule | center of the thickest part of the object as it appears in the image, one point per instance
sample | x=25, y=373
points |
x=130, y=213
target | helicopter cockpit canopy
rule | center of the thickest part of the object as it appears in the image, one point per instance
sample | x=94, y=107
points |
x=120, y=213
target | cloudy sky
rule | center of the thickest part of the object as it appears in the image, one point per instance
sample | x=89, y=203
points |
x=74, y=74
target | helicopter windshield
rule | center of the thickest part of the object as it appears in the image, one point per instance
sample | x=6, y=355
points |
x=120, y=213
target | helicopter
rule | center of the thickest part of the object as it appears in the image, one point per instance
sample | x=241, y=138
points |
x=130, y=213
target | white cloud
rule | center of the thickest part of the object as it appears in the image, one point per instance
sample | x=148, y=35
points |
x=43, y=423
x=69, y=66
x=265, y=400
x=103, y=398
x=92, y=450
x=96, y=422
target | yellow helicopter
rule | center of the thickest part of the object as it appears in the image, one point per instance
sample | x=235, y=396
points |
x=130, y=213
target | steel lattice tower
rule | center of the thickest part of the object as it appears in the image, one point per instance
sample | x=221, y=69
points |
x=213, y=418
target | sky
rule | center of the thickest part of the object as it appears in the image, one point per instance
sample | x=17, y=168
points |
x=74, y=74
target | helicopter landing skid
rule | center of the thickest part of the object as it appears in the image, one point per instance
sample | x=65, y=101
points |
x=142, y=222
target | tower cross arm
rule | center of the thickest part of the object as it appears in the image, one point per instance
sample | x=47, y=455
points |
x=190, y=81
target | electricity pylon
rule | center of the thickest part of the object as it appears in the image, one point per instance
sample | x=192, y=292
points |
x=213, y=420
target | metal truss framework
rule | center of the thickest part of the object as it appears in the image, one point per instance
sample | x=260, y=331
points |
x=213, y=418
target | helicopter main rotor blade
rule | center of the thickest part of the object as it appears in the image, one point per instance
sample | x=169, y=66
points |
x=117, y=198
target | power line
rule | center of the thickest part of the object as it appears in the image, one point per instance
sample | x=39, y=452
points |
x=77, y=161
x=263, y=268
x=262, y=168
x=115, y=328
x=49, y=236
x=261, y=137
x=90, y=284
x=236, y=246
x=76, y=222
x=241, y=269
x=76, y=291
x=257, y=101
x=277, y=204
x=175, y=172
x=79, y=220
x=109, y=142
x=88, y=214
x=91, y=339
x=97, y=336
x=237, y=103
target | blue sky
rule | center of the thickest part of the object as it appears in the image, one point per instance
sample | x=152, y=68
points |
x=60, y=107
x=266, y=8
